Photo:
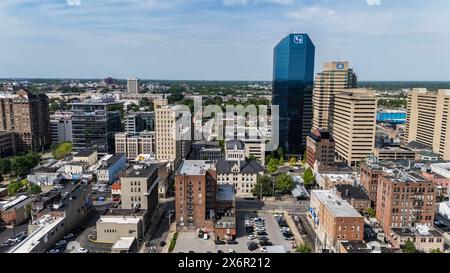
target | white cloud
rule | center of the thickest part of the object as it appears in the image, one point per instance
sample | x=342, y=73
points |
x=374, y=2
x=74, y=2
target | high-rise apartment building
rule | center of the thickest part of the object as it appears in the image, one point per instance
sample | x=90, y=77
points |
x=427, y=120
x=61, y=127
x=94, y=124
x=173, y=136
x=335, y=78
x=404, y=201
x=354, y=125
x=293, y=76
x=195, y=188
x=27, y=115
x=133, y=85
x=138, y=122
x=132, y=145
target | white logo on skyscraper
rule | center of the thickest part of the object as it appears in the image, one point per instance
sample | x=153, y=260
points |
x=298, y=39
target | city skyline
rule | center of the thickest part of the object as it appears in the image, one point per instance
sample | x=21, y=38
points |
x=220, y=40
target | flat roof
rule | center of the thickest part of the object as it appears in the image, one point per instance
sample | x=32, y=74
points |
x=124, y=243
x=46, y=224
x=337, y=206
x=194, y=167
x=85, y=153
x=120, y=219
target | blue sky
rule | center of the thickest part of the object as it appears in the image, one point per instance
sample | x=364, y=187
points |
x=220, y=39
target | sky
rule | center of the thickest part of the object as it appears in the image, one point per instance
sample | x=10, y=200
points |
x=404, y=40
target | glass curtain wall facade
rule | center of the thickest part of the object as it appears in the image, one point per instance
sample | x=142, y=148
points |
x=293, y=79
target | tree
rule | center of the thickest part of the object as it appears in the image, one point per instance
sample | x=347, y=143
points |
x=5, y=166
x=272, y=167
x=371, y=212
x=281, y=161
x=304, y=158
x=13, y=188
x=436, y=251
x=284, y=183
x=35, y=189
x=252, y=158
x=62, y=150
x=308, y=178
x=280, y=152
x=304, y=248
x=22, y=165
x=263, y=187
x=410, y=247
x=292, y=161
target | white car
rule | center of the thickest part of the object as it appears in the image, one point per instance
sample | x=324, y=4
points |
x=68, y=236
x=61, y=243
x=54, y=251
x=83, y=250
x=251, y=237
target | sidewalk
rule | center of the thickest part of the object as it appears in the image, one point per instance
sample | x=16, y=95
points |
x=173, y=229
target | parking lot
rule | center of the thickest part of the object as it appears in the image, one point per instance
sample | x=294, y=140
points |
x=187, y=242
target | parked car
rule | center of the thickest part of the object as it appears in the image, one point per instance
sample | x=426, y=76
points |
x=251, y=237
x=219, y=242
x=252, y=246
x=231, y=251
x=83, y=250
x=265, y=243
x=61, y=243
x=68, y=236
x=232, y=242
x=263, y=249
x=261, y=233
x=162, y=243
x=56, y=250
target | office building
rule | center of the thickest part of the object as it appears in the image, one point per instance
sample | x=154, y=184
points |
x=133, y=85
x=118, y=223
x=354, y=125
x=61, y=127
x=293, y=76
x=139, y=188
x=320, y=147
x=139, y=122
x=27, y=115
x=94, y=123
x=195, y=189
x=371, y=173
x=427, y=120
x=334, y=78
x=173, y=136
x=90, y=157
x=334, y=220
x=404, y=200
x=132, y=145
x=7, y=143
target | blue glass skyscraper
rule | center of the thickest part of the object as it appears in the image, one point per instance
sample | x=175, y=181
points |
x=293, y=78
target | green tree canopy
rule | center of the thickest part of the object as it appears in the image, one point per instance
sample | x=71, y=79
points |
x=292, y=161
x=371, y=212
x=263, y=186
x=13, y=188
x=272, y=167
x=35, y=189
x=5, y=166
x=62, y=150
x=410, y=247
x=284, y=183
x=22, y=165
x=308, y=178
x=304, y=248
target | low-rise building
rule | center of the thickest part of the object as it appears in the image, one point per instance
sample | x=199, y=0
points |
x=118, y=223
x=355, y=195
x=334, y=220
x=124, y=245
x=328, y=175
x=88, y=156
x=243, y=175
x=43, y=234
x=17, y=211
x=425, y=239
x=394, y=153
x=110, y=168
x=44, y=176
x=225, y=218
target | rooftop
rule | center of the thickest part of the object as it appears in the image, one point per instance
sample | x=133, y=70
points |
x=337, y=206
x=85, y=153
x=144, y=172
x=124, y=243
x=194, y=167
x=109, y=160
x=226, y=166
x=45, y=225
x=349, y=191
